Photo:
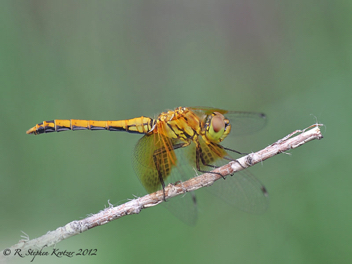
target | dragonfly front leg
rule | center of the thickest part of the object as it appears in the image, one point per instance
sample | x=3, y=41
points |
x=231, y=159
x=235, y=151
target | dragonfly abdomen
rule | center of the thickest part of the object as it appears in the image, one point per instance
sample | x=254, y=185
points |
x=139, y=125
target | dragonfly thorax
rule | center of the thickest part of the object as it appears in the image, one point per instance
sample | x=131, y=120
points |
x=181, y=124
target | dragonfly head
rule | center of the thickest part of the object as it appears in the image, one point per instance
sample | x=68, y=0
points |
x=217, y=127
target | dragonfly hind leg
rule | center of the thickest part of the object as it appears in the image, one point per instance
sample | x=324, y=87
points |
x=157, y=166
x=157, y=158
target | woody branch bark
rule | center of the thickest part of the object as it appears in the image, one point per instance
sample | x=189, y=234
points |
x=291, y=141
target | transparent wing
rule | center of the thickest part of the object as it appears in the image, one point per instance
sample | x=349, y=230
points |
x=242, y=190
x=205, y=110
x=243, y=123
x=154, y=155
x=184, y=207
x=173, y=169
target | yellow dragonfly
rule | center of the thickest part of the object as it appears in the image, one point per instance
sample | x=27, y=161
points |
x=197, y=132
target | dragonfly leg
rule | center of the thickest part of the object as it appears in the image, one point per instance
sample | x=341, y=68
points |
x=232, y=150
x=200, y=157
x=231, y=159
x=157, y=166
x=157, y=159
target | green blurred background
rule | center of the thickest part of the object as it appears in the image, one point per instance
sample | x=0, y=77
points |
x=121, y=59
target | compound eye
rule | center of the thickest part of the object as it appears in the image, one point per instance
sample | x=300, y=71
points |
x=216, y=128
x=218, y=123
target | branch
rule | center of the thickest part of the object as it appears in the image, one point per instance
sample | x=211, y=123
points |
x=136, y=205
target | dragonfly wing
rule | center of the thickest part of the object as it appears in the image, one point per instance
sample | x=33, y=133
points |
x=244, y=123
x=242, y=190
x=204, y=110
x=184, y=207
x=174, y=169
x=153, y=158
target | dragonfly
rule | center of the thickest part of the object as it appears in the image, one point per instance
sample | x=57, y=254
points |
x=186, y=137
